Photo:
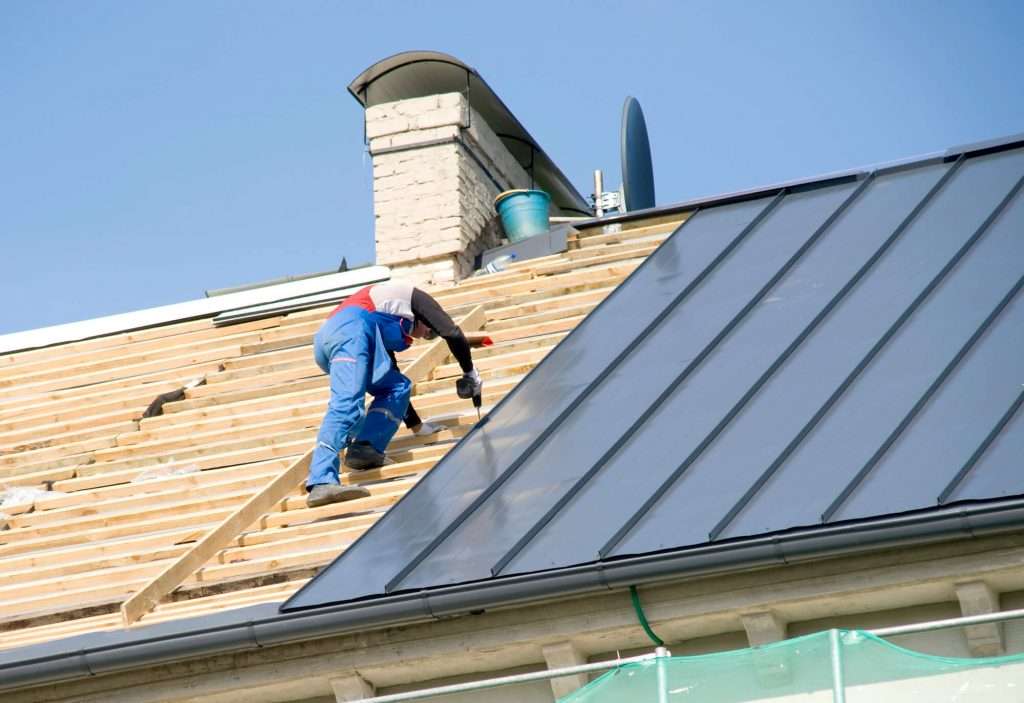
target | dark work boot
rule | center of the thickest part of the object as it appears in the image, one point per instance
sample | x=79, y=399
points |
x=362, y=456
x=326, y=493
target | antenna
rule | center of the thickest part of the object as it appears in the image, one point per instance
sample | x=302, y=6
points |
x=637, y=171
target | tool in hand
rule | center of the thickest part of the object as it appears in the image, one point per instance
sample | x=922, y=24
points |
x=470, y=386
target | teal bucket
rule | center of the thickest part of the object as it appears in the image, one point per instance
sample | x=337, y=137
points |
x=524, y=213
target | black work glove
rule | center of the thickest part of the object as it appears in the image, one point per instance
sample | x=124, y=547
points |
x=469, y=385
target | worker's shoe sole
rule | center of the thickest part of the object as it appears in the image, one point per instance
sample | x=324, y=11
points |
x=361, y=456
x=327, y=493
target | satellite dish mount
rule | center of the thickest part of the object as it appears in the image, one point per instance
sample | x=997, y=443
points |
x=637, y=190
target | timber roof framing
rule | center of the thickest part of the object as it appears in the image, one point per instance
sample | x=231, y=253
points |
x=72, y=556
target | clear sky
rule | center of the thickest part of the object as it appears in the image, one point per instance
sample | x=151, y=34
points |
x=152, y=150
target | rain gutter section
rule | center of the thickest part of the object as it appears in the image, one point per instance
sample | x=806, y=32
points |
x=260, y=626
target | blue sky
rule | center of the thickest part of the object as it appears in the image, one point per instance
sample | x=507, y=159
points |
x=150, y=151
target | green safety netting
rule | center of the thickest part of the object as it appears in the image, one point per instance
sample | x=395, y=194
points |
x=844, y=665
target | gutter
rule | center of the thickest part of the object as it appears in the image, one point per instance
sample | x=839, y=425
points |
x=254, y=627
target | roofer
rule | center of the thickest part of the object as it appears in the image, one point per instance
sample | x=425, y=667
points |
x=356, y=347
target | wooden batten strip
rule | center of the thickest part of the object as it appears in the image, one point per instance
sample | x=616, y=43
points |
x=171, y=577
x=526, y=309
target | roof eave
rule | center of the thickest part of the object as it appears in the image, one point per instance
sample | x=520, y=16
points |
x=263, y=626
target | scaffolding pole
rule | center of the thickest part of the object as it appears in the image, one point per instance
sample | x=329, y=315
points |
x=661, y=652
x=515, y=678
x=951, y=622
x=836, y=654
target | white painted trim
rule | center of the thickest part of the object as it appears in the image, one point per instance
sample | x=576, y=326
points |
x=149, y=317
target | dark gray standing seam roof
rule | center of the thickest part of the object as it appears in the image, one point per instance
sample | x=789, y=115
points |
x=830, y=352
x=806, y=370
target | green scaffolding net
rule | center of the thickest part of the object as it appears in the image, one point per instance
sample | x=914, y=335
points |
x=848, y=666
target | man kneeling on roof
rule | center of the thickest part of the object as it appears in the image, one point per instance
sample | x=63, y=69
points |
x=356, y=347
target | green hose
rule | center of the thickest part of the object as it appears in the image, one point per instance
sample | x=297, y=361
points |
x=643, y=618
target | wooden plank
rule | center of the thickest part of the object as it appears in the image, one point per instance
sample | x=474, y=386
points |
x=91, y=365
x=509, y=313
x=122, y=386
x=421, y=367
x=171, y=577
x=214, y=405
x=46, y=440
x=203, y=339
x=577, y=266
x=519, y=356
x=122, y=374
x=294, y=372
x=56, y=411
x=84, y=428
x=187, y=427
x=59, y=351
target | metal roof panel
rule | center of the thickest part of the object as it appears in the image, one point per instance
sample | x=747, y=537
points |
x=847, y=347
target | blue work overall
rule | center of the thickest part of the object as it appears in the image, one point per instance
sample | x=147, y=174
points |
x=352, y=348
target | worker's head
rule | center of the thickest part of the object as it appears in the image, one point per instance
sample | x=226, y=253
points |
x=421, y=331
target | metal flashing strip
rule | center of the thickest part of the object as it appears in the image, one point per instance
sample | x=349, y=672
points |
x=288, y=305
x=190, y=310
x=988, y=146
x=252, y=627
x=969, y=150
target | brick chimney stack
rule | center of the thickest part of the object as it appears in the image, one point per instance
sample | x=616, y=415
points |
x=437, y=167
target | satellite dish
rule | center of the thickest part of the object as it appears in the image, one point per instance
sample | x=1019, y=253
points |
x=637, y=172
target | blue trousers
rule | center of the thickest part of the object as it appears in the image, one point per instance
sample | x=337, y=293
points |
x=344, y=349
